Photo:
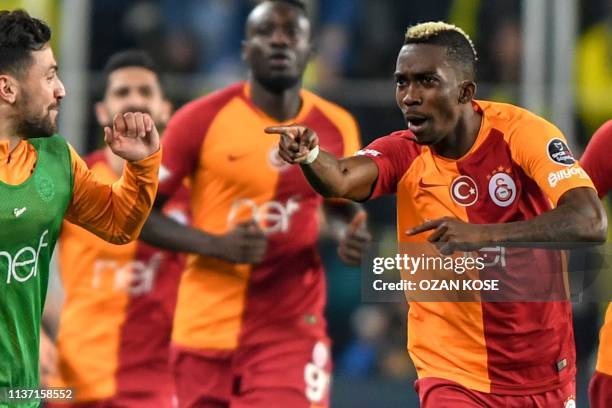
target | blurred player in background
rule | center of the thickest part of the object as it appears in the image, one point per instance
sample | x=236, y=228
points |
x=596, y=161
x=462, y=163
x=249, y=329
x=114, y=334
x=44, y=180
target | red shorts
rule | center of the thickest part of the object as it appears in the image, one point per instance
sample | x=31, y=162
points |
x=600, y=390
x=439, y=393
x=292, y=374
x=125, y=400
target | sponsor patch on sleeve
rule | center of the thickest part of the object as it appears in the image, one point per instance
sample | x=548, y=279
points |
x=559, y=152
x=554, y=177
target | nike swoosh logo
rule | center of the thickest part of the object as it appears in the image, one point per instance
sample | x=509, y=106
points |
x=234, y=157
x=426, y=185
x=18, y=211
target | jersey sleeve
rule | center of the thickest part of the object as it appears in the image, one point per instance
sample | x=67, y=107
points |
x=114, y=212
x=393, y=154
x=596, y=159
x=541, y=150
x=181, y=142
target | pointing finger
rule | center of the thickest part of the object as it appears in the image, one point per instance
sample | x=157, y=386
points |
x=426, y=226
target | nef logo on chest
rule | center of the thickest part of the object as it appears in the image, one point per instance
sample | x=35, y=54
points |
x=464, y=191
x=272, y=216
x=502, y=188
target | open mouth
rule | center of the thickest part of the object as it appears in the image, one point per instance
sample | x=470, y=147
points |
x=279, y=59
x=416, y=123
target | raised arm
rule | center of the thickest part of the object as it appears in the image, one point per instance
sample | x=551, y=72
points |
x=352, y=178
x=116, y=212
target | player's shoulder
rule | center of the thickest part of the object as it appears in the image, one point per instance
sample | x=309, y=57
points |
x=395, y=142
x=202, y=108
x=330, y=109
x=604, y=132
x=517, y=122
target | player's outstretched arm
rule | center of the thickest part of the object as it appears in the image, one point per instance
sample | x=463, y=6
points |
x=245, y=243
x=116, y=212
x=352, y=178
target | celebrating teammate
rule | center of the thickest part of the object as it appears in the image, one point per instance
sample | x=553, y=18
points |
x=599, y=167
x=114, y=333
x=469, y=171
x=44, y=180
x=249, y=329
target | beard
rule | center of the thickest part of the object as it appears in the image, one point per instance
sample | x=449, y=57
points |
x=277, y=84
x=32, y=125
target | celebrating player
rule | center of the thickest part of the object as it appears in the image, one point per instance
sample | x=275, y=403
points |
x=598, y=165
x=44, y=180
x=448, y=168
x=249, y=329
x=114, y=333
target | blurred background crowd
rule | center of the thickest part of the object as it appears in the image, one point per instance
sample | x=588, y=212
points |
x=551, y=56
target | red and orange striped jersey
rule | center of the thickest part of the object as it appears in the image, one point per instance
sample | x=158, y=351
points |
x=236, y=174
x=598, y=165
x=518, y=167
x=116, y=322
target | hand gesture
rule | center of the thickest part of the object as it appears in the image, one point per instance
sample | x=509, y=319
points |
x=296, y=142
x=133, y=136
x=355, y=241
x=245, y=244
x=451, y=234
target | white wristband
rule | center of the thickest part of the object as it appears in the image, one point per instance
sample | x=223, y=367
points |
x=312, y=155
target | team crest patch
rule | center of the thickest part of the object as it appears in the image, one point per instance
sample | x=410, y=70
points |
x=464, y=191
x=560, y=153
x=44, y=187
x=502, y=189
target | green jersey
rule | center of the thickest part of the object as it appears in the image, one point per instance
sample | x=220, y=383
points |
x=31, y=215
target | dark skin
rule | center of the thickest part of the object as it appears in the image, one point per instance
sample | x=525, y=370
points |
x=276, y=48
x=434, y=95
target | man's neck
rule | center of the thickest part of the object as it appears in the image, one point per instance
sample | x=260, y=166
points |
x=7, y=133
x=280, y=106
x=457, y=144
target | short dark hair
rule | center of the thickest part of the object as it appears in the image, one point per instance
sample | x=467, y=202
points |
x=20, y=34
x=296, y=3
x=129, y=58
x=460, y=48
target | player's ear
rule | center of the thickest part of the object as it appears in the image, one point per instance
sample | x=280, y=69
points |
x=102, y=115
x=8, y=89
x=467, y=91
